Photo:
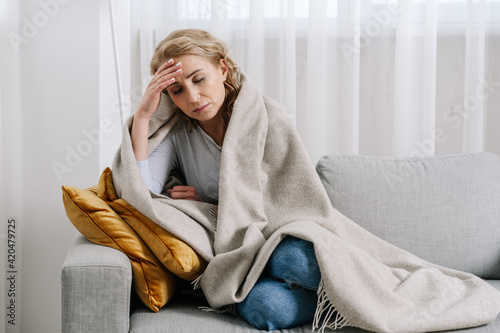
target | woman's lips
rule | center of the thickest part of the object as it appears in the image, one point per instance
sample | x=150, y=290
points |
x=200, y=109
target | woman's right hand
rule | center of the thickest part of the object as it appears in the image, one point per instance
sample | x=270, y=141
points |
x=164, y=76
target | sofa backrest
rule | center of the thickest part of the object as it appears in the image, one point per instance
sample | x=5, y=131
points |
x=443, y=209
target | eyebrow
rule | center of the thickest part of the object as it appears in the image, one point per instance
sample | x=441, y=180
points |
x=187, y=77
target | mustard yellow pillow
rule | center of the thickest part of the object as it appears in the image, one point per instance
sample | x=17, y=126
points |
x=176, y=255
x=100, y=224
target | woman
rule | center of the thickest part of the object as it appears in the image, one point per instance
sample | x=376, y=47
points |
x=194, y=70
x=252, y=205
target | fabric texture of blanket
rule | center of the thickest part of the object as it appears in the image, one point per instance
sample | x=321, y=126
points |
x=269, y=189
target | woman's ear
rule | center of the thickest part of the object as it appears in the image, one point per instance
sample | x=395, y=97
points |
x=223, y=67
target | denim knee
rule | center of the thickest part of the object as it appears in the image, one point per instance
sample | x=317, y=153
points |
x=272, y=305
x=294, y=261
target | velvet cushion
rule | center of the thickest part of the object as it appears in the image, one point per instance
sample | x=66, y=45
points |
x=100, y=224
x=176, y=255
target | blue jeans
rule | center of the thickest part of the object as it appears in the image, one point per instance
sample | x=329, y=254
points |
x=285, y=294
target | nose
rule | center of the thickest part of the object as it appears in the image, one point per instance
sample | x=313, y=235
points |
x=193, y=95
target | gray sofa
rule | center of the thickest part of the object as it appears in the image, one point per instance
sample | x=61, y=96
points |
x=444, y=209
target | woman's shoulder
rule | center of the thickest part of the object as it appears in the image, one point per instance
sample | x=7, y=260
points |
x=184, y=135
x=172, y=137
x=180, y=128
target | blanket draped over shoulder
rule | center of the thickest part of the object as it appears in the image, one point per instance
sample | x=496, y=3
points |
x=269, y=189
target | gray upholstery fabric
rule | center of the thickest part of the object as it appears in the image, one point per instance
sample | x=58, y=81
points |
x=443, y=209
x=96, y=286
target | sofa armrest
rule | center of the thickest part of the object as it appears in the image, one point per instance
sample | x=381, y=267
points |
x=96, y=286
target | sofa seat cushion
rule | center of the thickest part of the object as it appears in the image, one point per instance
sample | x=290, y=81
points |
x=182, y=315
x=444, y=209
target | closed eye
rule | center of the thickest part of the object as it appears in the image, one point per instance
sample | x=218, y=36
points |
x=178, y=91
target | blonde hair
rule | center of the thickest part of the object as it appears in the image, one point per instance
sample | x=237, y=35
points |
x=201, y=43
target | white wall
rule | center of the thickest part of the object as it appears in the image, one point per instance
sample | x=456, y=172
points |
x=59, y=81
x=10, y=160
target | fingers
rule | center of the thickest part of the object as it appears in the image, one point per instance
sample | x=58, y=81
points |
x=166, y=74
x=184, y=192
x=169, y=68
x=165, y=65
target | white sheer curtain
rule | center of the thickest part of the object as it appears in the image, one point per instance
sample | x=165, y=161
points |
x=389, y=78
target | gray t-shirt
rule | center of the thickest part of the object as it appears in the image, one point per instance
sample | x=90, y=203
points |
x=194, y=153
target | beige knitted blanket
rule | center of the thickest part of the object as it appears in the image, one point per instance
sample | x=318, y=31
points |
x=269, y=189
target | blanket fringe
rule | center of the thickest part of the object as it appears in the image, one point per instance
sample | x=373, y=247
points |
x=196, y=282
x=326, y=316
x=214, y=214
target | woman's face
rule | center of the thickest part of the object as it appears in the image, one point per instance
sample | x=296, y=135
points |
x=199, y=90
